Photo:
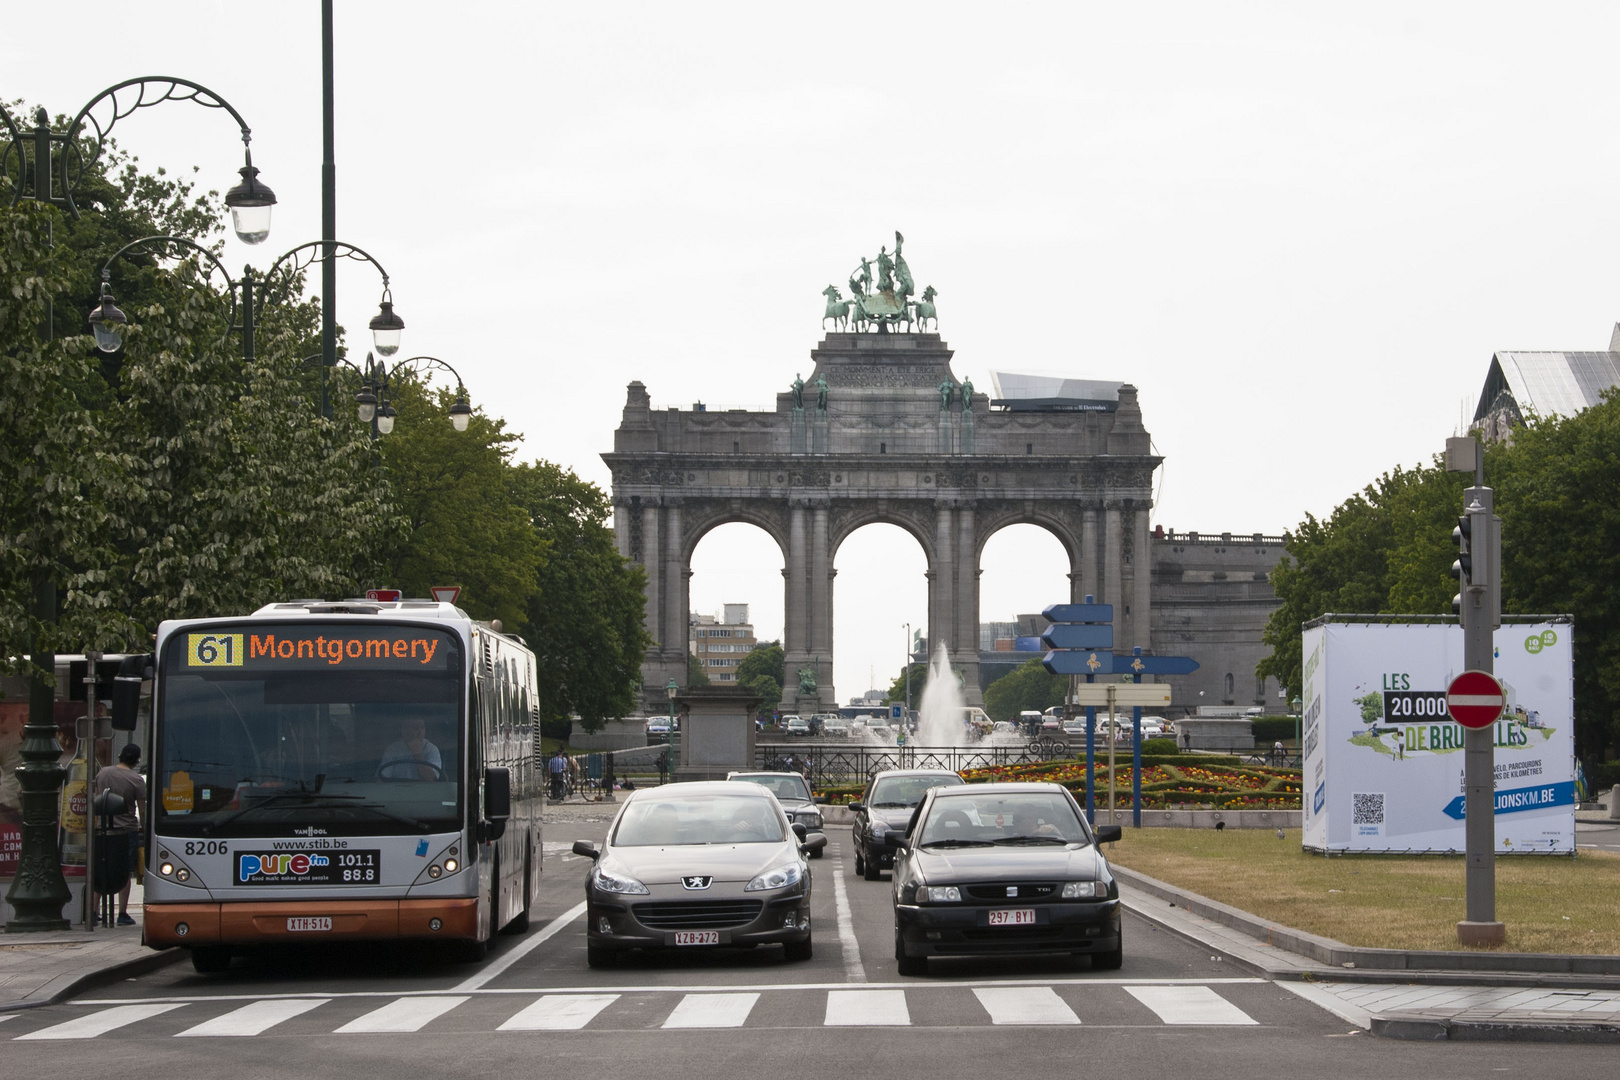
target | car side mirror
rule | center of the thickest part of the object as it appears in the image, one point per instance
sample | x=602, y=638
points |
x=497, y=801
x=800, y=830
x=1109, y=834
x=587, y=849
x=815, y=843
x=855, y=807
x=899, y=843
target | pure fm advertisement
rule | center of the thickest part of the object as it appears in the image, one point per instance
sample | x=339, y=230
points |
x=1384, y=759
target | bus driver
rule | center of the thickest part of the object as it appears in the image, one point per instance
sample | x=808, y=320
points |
x=411, y=746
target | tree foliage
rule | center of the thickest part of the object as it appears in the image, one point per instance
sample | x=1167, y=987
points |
x=1388, y=550
x=586, y=620
x=761, y=671
x=1027, y=686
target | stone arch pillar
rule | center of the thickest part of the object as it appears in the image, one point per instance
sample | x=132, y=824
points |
x=966, y=656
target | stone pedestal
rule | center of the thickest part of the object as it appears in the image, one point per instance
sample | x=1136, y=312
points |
x=1209, y=734
x=717, y=731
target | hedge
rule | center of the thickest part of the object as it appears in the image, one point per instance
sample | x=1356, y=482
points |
x=1270, y=729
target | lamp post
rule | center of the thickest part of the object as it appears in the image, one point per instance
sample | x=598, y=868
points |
x=905, y=717
x=107, y=321
x=672, y=689
x=49, y=165
x=372, y=404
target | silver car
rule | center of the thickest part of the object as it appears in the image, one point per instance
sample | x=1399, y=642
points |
x=794, y=794
x=699, y=865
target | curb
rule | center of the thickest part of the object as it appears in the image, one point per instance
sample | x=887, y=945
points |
x=1413, y=1030
x=1553, y=969
x=66, y=986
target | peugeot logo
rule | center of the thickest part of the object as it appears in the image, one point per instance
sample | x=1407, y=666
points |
x=697, y=881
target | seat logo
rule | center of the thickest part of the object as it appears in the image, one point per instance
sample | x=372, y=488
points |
x=697, y=881
x=1012, y=890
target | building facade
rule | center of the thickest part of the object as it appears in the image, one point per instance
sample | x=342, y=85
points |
x=719, y=643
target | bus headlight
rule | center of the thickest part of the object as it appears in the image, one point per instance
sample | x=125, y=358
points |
x=166, y=869
x=434, y=871
x=182, y=874
x=451, y=866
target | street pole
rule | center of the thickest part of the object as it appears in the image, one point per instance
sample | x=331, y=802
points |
x=905, y=717
x=1479, y=609
x=328, y=215
x=39, y=891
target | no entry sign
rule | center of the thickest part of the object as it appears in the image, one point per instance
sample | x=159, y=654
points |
x=1475, y=699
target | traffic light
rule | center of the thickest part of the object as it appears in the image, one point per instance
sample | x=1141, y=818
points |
x=1463, y=568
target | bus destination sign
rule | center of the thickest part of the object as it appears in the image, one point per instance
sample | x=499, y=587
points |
x=396, y=648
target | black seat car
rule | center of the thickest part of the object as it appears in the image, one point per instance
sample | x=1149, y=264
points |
x=1004, y=869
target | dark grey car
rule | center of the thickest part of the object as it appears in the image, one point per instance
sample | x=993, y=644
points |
x=793, y=792
x=699, y=865
x=891, y=798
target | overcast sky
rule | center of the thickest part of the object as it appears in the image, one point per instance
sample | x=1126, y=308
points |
x=1300, y=231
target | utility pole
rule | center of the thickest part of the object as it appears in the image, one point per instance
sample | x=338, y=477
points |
x=1478, y=605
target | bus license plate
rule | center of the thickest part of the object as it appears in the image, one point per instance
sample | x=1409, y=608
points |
x=697, y=937
x=318, y=922
x=1013, y=917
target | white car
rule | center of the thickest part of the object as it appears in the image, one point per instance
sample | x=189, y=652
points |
x=835, y=726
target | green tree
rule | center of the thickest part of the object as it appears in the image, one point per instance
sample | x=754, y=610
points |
x=695, y=675
x=761, y=671
x=586, y=622
x=897, y=689
x=464, y=524
x=1028, y=686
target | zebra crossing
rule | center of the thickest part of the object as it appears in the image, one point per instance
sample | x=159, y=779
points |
x=647, y=1009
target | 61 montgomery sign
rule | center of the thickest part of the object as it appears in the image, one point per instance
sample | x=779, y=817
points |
x=1422, y=721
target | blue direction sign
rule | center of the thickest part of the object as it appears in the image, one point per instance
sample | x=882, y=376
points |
x=1107, y=663
x=1528, y=798
x=1078, y=636
x=1082, y=613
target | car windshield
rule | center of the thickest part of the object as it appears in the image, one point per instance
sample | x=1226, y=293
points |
x=901, y=791
x=783, y=787
x=1005, y=818
x=664, y=820
x=351, y=730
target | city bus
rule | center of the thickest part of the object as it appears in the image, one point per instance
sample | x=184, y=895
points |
x=354, y=770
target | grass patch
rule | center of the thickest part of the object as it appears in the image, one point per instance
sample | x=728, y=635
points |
x=1550, y=904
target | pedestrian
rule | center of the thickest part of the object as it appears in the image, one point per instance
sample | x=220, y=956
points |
x=122, y=780
x=663, y=766
x=1186, y=740
x=1277, y=752
x=607, y=775
x=558, y=768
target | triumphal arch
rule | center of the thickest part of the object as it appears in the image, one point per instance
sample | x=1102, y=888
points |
x=882, y=431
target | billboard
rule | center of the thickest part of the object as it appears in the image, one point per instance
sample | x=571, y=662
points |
x=1383, y=768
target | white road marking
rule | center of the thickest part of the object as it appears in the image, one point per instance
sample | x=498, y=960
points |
x=6, y=1016
x=559, y=1012
x=711, y=1011
x=522, y=949
x=867, y=1008
x=1024, y=1005
x=1189, y=1005
x=260, y=1016
x=404, y=1014
x=1325, y=999
x=846, y=926
x=88, y=1027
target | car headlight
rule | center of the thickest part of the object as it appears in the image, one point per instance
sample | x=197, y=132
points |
x=879, y=829
x=810, y=819
x=938, y=894
x=614, y=884
x=1085, y=890
x=779, y=878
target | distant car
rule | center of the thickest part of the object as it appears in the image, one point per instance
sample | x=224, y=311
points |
x=1153, y=727
x=793, y=793
x=1077, y=726
x=702, y=865
x=797, y=725
x=886, y=809
x=1051, y=723
x=1004, y=869
x=658, y=728
x=836, y=727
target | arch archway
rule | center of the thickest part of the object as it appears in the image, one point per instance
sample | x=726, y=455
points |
x=1023, y=568
x=881, y=585
x=732, y=563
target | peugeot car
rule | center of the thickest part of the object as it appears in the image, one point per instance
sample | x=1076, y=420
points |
x=699, y=866
x=1001, y=870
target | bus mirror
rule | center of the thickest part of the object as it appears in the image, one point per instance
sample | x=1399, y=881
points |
x=126, y=702
x=497, y=794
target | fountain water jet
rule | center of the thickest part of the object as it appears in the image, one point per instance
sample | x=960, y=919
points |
x=939, y=714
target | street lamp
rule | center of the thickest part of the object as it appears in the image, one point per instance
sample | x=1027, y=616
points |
x=48, y=166
x=371, y=402
x=106, y=320
x=672, y=689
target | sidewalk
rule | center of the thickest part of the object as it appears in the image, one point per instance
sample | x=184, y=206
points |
x=38, y=969
x=1523, y=997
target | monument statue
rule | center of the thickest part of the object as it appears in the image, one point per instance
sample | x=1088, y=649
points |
x=821, y=392
x=945, y=389
x=807, y=680
x=889, y=304
x=798, y=394
x=967, y=394
x=923, y=309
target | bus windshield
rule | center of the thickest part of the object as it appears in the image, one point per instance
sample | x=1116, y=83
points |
x=334, y=729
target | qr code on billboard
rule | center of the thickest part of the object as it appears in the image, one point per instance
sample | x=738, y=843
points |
x=1367, y=808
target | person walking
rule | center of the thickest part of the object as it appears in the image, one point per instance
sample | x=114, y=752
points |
x=558, y=768
x=127, y=828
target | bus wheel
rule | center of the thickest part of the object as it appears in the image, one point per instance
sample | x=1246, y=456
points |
x=210, y=959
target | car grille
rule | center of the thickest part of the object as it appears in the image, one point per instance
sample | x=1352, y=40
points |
x=702, y=915
x=1027, y=890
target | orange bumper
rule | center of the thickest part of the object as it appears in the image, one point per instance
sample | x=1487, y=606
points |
x=264, y=922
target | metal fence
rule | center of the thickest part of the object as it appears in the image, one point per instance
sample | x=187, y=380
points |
x=842, y=766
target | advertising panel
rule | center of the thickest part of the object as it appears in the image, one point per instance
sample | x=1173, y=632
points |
x=1383, y=766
